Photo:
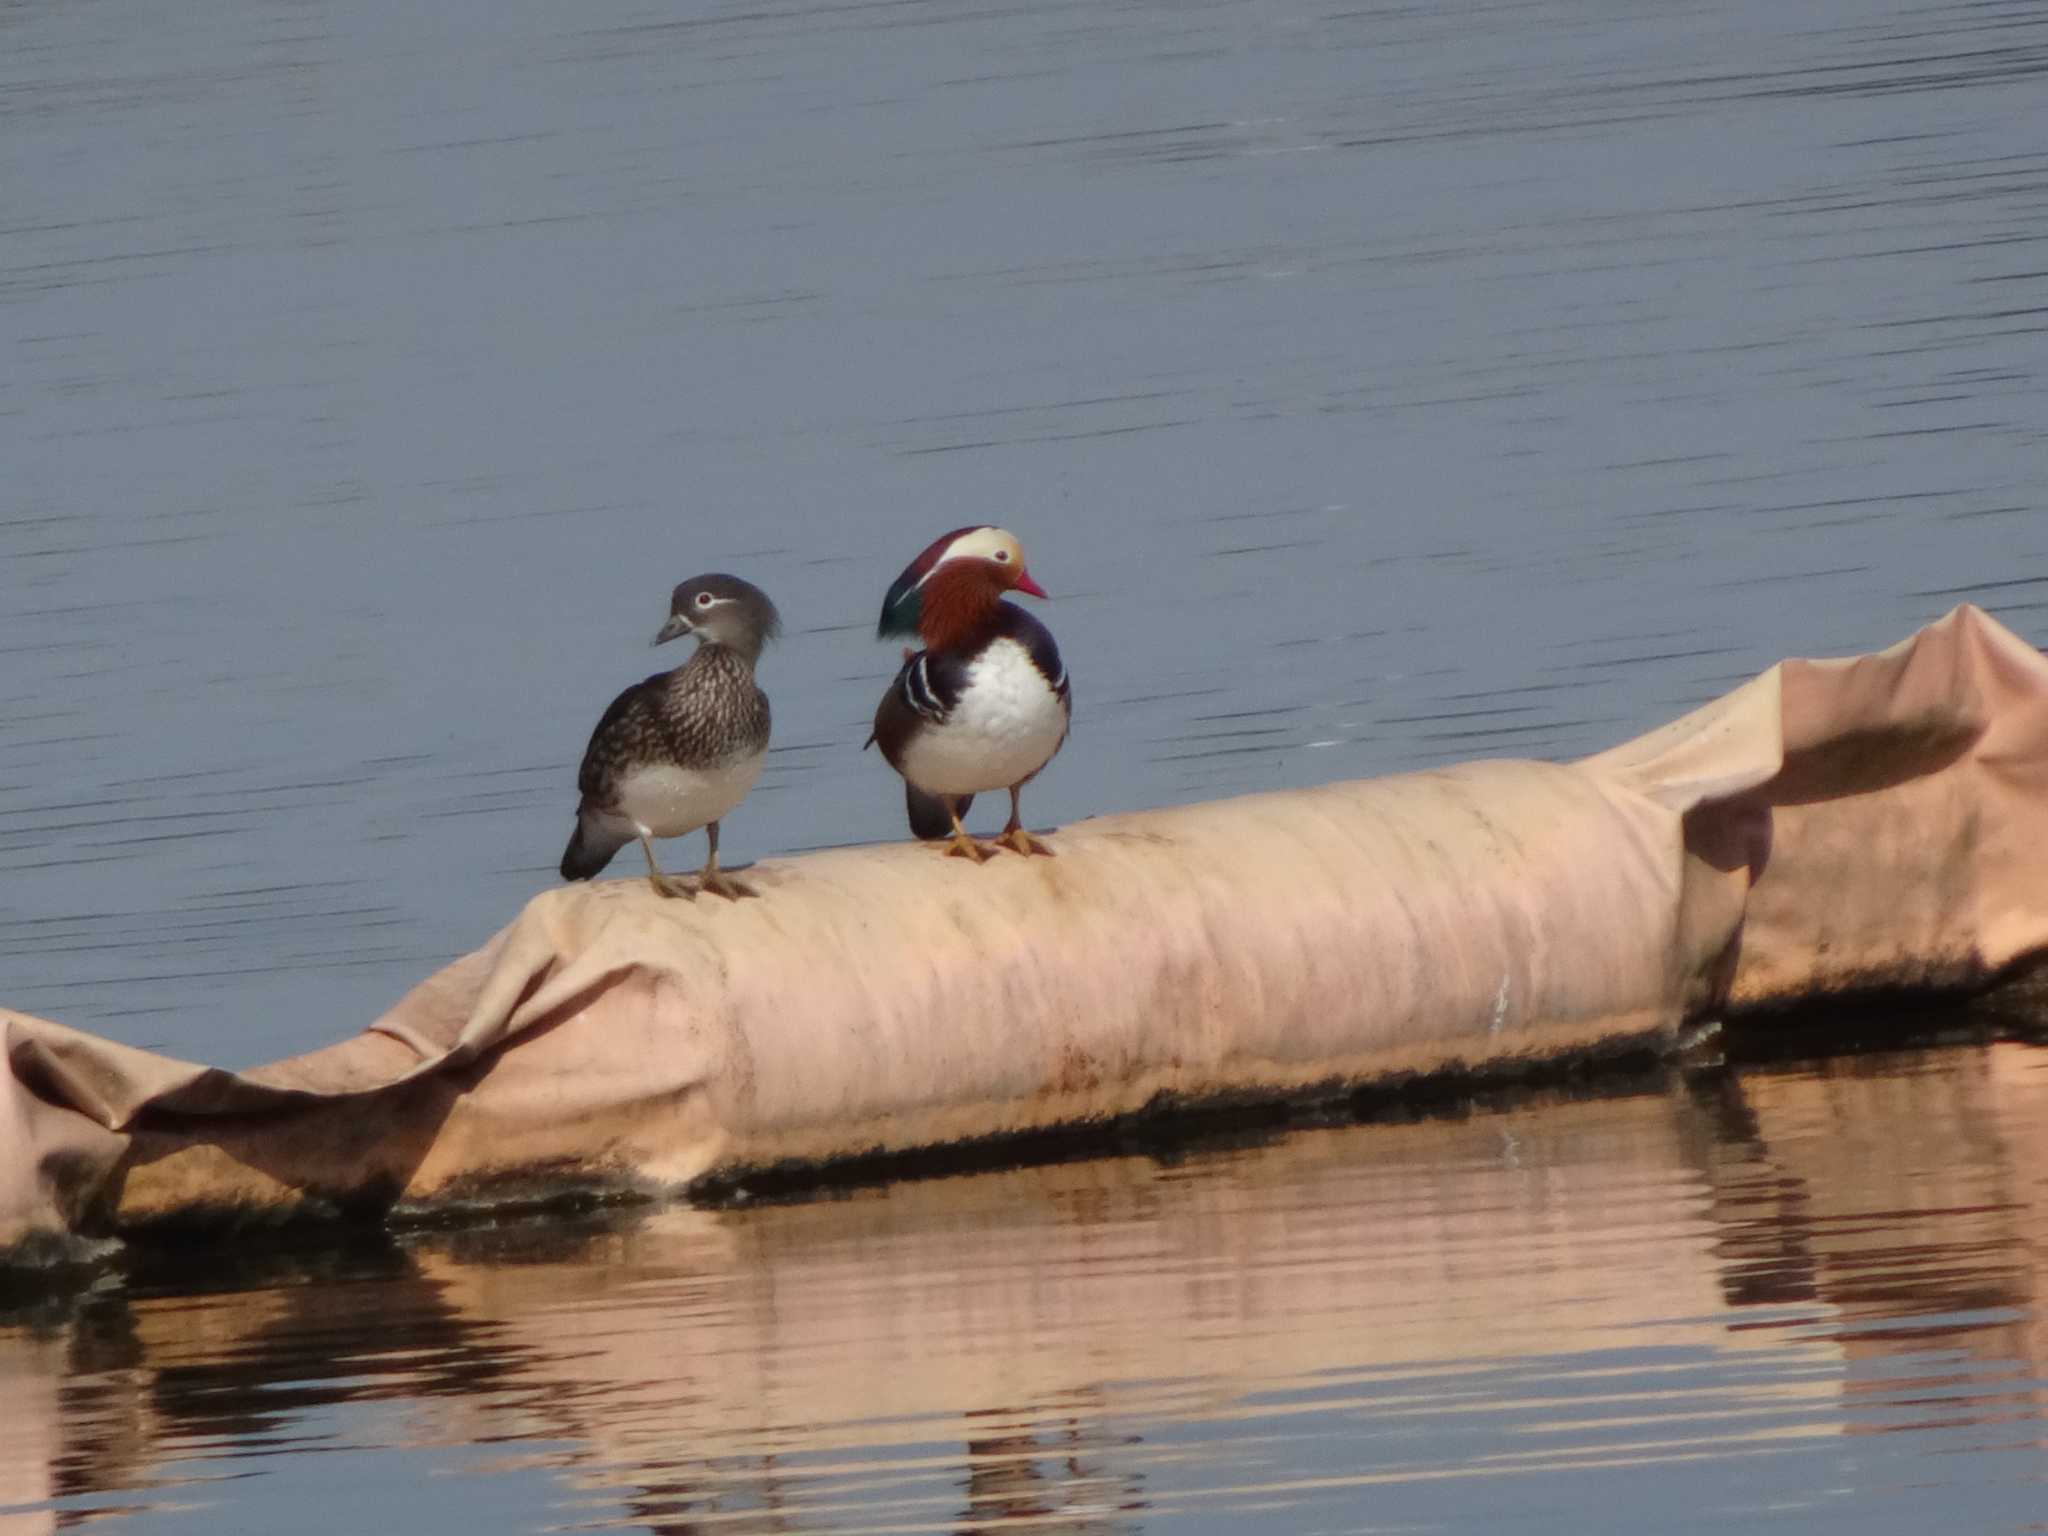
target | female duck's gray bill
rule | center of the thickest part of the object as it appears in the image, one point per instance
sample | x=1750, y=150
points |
x=678, y=624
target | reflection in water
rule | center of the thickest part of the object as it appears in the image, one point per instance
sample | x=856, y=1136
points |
x=1916, y=1222
x=1055, y=1472
x=1701, y=1295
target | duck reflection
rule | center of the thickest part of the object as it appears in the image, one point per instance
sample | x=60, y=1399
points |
x=1058, y=1474
x=750, y=1495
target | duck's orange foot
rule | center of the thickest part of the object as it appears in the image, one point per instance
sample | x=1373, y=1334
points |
x=1016, y=838
x=961, y=846
x=721, y=884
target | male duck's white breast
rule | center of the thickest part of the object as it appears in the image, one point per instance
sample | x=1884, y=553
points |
x=1006, y=724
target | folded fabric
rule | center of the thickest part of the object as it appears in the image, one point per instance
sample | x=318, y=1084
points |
x=1828, y=826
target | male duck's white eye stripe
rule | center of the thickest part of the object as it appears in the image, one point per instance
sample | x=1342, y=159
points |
x=982, y=544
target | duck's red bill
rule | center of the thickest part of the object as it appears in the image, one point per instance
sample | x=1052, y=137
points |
x=1026, y=584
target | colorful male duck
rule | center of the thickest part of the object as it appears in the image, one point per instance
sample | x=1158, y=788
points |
x=984, y=705
x=680, y=750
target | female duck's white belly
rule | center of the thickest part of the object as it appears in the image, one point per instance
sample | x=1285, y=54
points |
x=664, y=800
x=1006, y=726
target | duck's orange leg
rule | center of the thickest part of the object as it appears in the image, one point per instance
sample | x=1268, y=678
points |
x=961, y=846
x=1015, y=837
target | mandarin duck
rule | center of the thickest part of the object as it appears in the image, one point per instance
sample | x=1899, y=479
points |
x=681, y=749
x=985, y=704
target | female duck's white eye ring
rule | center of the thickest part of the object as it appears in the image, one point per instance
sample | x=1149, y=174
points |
x=703, y=599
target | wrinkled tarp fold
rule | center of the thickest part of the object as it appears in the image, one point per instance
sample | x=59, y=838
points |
x=1830, y=825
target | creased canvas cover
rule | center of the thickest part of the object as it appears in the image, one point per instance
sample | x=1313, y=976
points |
x=1830, y=824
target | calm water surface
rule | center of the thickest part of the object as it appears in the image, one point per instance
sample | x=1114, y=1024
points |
x=1373, y=386
x=1799, y=1298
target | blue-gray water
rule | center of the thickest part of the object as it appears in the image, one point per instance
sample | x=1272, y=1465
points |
x=1371, y=385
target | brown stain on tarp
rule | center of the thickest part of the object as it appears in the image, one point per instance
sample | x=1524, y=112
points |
x=1078, y=1072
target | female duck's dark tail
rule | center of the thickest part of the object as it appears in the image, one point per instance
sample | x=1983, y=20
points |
x=591, y=847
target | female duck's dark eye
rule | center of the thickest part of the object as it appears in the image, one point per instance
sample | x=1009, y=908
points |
x=703, y=599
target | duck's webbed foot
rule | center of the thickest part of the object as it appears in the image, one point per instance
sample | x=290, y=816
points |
x=718, y=883
x=1015, y=837
x=664, y=885
x=960, y=845
x=711, y=878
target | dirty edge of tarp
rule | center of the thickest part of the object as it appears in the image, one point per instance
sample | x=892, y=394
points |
x=1829, y=826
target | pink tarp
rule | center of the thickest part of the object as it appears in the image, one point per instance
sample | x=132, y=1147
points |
x=1829, y=825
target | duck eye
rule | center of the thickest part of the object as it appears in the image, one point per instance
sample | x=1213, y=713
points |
x=703, y=599
x=1003, y=555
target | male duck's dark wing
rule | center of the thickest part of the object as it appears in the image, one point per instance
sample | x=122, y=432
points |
x=1038, y=643
x=926, y=688
x=931, y=683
